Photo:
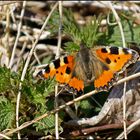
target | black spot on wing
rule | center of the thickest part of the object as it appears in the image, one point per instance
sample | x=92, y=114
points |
x=56, y=63
x=47, y=69
x=114, y=50
x=108, y=61
x=103, y=50
x=40, y=73
x=125, y=51
x=68, y=70
x=65, y=60
x=80, y=91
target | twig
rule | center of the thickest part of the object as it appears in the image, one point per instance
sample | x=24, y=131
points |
x=87, y=131
x=48, y=137
x=36, y=58
x=96, y=102
x=37, y=20
x=118, y=21
x=130, y=128
x=20, y=55
x=18, y=34
x=26, y=30
x=101, y=5
x=27, y=63
x=6, y=2
x=59, y=31
x=69, y=110
x=124, y=46
x=24, y=125
x=108, y=22
x=57, y=55
x=6, y=44
x=4, y=136
x=124, y=107
x=12, y=15
x=56, y=114
x=43, y=55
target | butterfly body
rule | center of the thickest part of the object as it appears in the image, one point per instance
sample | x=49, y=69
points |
x=87, y=66
x=100, y=66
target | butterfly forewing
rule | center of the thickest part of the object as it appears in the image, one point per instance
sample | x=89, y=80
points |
x=117, y=59
x=62, y=69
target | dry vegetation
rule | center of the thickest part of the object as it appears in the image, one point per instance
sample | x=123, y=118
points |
x=31, y=35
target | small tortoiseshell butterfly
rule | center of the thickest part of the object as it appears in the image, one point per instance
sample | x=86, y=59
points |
x=100, y=66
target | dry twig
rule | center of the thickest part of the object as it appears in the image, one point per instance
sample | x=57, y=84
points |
x=87, y=131
x=57, y=55
x=4, y=136
x=18, y=34
x=129, y=129
x=123, y=41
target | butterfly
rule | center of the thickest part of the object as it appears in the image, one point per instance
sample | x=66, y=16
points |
x=100, y=66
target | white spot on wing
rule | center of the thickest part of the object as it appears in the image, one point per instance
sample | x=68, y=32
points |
x=43, y=71
x=120, y=50
x=108, y=49
x=52, y=65
x=62, y=61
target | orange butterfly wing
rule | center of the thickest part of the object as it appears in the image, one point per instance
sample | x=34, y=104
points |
x=116, y=59
x=62, y=69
